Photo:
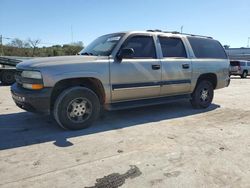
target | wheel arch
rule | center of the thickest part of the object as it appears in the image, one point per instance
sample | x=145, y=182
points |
x=212, y=77
x=91, y=83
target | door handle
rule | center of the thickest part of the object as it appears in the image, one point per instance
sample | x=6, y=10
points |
x=156, y=67
x=185, y=66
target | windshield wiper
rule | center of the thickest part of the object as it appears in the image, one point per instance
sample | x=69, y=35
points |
x=86, y=53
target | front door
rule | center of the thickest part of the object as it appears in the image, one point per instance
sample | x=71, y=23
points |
x=138, y=76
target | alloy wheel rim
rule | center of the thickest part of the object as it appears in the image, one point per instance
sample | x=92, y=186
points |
x=204, y=94
x=79, y=110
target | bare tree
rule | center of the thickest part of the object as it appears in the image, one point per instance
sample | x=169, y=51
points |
x=34, y=44
x=16, y=43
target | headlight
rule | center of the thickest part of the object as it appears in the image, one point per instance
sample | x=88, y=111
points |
x=31, y=74
x=32, y=80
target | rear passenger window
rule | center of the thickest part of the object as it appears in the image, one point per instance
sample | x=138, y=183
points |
x=207, y=48
x=248, y=64
x=172, y=47
x=143, y=46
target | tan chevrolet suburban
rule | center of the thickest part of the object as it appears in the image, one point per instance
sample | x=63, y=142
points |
x=122, y=70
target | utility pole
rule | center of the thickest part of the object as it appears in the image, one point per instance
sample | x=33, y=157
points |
x=71, y=34
x=248, y=42
x=1, y=42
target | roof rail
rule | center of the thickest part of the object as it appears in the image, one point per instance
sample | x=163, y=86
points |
x=194, y=35
x=176, y=32
x=154, y=30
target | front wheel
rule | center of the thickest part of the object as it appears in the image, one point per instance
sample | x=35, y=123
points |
x=76, y=108
x=203, y=95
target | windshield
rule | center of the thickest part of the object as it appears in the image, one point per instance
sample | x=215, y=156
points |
x=102, y=46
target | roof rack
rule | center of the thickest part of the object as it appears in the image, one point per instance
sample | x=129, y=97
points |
x=176, y=32
x=154, y=30
x=194, y=35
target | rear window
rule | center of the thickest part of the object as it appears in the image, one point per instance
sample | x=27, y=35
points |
x=207, y=48
x=234, y=63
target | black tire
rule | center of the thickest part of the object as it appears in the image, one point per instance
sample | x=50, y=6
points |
x=244, y=74
x=8, y=77
x=67, y=109
x=199, y=99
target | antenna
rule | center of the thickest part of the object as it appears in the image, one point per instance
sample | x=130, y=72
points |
x=1, y=42
x=182, y=28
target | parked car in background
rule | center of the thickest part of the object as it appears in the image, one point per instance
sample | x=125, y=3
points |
x=240, y=68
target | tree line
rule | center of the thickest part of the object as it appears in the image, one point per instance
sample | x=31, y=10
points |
x=29, y=48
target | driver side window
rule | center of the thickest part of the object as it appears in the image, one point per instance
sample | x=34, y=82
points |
x=143, y=47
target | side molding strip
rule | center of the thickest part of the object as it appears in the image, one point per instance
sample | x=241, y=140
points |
x=148, y=84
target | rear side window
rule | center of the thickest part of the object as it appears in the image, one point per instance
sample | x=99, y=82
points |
x=143, y=46
x=207, y=48
x=248, y=64
x=172, y=47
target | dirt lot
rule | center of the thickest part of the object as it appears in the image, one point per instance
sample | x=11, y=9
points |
x=162, y=146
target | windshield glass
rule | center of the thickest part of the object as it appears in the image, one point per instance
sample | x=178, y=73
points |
x=102, y=46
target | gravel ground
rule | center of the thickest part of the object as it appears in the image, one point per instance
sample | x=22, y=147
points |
x=169, y=145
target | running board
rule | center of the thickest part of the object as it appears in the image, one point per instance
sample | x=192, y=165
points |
x=145, y=102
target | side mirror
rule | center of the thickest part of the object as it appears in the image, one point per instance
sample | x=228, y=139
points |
x=125, y=53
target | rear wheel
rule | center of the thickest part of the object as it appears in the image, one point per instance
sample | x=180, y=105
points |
x=8, y=77
x=203, y=95
x=76, y=108
x=244, y=74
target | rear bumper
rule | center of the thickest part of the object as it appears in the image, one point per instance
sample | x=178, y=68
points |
x=235, y=73
x=33, y=101
x=225, y=82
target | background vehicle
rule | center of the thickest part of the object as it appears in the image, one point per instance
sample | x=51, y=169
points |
x=122, y=70
x=7, y=70
x=240, y=68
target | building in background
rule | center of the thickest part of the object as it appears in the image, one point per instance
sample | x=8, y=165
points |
x=238, y=53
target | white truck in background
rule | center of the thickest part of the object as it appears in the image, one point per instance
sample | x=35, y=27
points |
x=8, y=69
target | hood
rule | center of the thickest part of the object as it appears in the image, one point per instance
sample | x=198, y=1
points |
x=44, y=62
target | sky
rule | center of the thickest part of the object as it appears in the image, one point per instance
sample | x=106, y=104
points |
x=64, y=21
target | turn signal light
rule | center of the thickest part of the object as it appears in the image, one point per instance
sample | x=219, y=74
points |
x=37, y=86
x=33, y=86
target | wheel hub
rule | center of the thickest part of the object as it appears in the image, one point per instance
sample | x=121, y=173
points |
x=204, y=94
x=79, y=110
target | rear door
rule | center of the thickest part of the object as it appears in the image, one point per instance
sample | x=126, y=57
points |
x=176, y=67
